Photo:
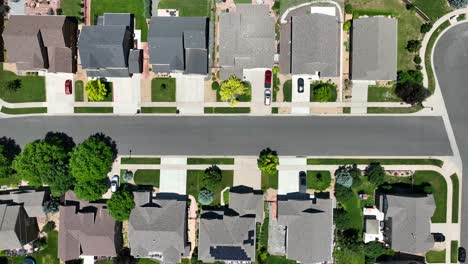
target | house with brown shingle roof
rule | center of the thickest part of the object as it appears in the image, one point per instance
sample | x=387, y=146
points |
x=87, y=229
x=37, y=43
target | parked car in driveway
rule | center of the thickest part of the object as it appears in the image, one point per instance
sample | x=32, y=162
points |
x=300, y=85
x=115, y=183
x=267, y=96
x=302, y=181
x=68, y=87
x=267, y=79
x=461, y=254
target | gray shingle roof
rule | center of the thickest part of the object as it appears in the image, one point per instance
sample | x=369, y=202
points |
x=16, y=228
x=315, y=45
x=374, y=48
x=409, y=220
x=245, y=201
x=86, y=229
x=226, y=236
x=309, y=227
x=159, y=225
x=135, y=61
x=179, y=44
x=118, y=19
x=31, y=200
x=247, y=40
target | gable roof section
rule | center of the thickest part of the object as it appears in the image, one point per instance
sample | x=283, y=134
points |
x=247, y=40
x=31, y=200
x=8, y=227
x=315, y=45
x=31, y=42
x=226, y=236
x=85, y=229
x=179, y=43
x=159, y=225
x=409, y=219
x=246, y=201
x=309, y=227
x=374, y=48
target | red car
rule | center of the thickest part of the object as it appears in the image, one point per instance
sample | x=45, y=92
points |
x=267, y=79
x=68, y=87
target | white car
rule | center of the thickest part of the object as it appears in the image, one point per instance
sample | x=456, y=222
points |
x=267, y=96
x=115, y=183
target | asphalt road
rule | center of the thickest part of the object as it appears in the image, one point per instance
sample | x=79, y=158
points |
x=320, y=136
x=451, y=66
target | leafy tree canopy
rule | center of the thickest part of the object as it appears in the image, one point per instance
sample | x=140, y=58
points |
x=8, y=151
x=205, y=197
x=426, y=27
x=92, y=159
x=212, y=177
x=96, y=90
x=268, y=161
x=376, y=173
x=121, y=204
x=91, y=190
x=342, y=219
x=342, y=193
x=413, y=45
x=458, y=3
x=412, y=93
x=411, y=76
x=231, y=89
x=344, y=179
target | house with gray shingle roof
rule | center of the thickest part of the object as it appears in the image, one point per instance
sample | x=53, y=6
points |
x=247, y=201
x=158, y=227
x=408, y=221
x=179, y=44
x=247, y=40
x=87, y=229
x=374, y=49
x=226, y=236
x=31, y=200
x=107, y=49
x=16, y=227
x=308, y=227
x=41, y=43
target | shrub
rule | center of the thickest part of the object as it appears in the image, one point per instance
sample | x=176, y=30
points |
x=353, y=171
x=96, y=90
x=13, y=85
x=419, y=67
x=342, y=193
x=268, y=161
x=212, y=177
x=413, y=45
x=409, y=7
x=322, y=94
x=51, y=206
x=215, y=85
x=128, y=176
x=205, y=197
x=59, y=11
x=231, y=89
x=417, y=59
x=342, y=219
x=40, y=243
x=428, y=188
x=49, y=227
x=348, y=8
x=276, y=70
x=458, y=3
x=426, y=27
x=409, y=76
x=347, y=25
x=344, y=179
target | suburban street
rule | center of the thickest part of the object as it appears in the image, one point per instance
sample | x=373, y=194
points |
x=450, y=64
x=303, y=136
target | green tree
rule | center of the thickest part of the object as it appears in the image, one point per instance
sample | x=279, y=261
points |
x=92, y=159
x=268, y=161
x=212, y=177
x=322, y=94
x=231, y=89
x=205, y=196
x=413, y=45
x=91, y=190
x=375, y=249
x=342, y=193
x=417, y=59
x=8, y=151
x=347, y=25
x=13, y=85
x=121, y=204
x=342, y=219
x=426, y=27
x=345, y=179
x=411, y=76
x=412, y=93
x=96, y=90
x=376, y=173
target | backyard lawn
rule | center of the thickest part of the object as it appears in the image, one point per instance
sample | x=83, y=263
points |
x=147, y=177
x=163, y=90
x=32, y=88
x=46, y=256
x=187, y=8
x=136, y=7
x=195, y=184
x=382, y=94
x=409, y=25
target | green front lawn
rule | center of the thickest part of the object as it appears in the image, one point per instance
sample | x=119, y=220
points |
x=159, y=110
x=456, y=197
x=24, y=111
x=46, y=256
x=454, y=251
x=163, y=90
x=435, y=256
x=435, y=9
x=439, y=186
x=94, y=110
x=147, y=177
x=269, y=181
x=409, y=25
x=135, y=7
x=71, y=8
x=79, y=91
x=434, y=162
x=140, y=161
x=195, y=184
x=318, y=180
x=187, y=8
x=210, y=161
x=287, y=91
x=32, y=88
x=394, y=110
x=382, y=94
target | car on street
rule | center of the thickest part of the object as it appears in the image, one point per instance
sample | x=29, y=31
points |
x=68, y=87
x=300, y=85
x=267, y=96
x=461, y=254
x=302, y=182
x=115, y=183
x=267, y=79
x=438, y=237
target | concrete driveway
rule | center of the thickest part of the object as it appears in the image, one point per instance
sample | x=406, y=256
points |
x=288, y=176
x=256, y=78
x=126, y=92
x=300, y=97
x=190, y=93
x=359, y=96
x=173, y=175
x=57, y=101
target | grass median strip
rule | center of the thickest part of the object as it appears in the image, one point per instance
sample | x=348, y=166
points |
x=159, y=110
x=210, y=161
x=434, y=162
x=394, y=110
x=94, y=110
x=24, y=111
x=227, y=110
x=140, y=161
x=454, y=251
x=456, y=197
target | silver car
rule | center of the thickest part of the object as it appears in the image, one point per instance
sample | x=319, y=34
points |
x=267, y=96
x=115, y=183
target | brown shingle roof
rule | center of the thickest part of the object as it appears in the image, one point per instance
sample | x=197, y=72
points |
x=85, y=229
x=30, y=40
